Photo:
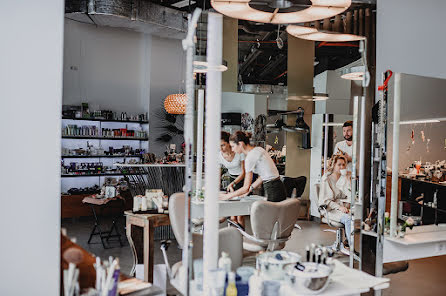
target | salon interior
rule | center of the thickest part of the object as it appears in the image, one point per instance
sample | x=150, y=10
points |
x=249, y=147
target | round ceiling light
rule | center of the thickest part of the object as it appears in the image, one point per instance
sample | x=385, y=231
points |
x=202, y=66
x=269, y=11
x=176, y=104
x=320, y=97
x=353, y=73
x=313, y=34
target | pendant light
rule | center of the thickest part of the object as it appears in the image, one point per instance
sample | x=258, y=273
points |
x=313, y=34
x=353, y=73
x=269, y=11
x=176, y=104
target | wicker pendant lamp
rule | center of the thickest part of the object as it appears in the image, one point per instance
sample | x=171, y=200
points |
x=175, y=103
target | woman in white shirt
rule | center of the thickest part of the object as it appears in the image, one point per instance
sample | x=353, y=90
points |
x=257, y=161
x=334, y=192
x=233, y=162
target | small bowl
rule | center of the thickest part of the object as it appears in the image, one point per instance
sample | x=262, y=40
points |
x=309, y=277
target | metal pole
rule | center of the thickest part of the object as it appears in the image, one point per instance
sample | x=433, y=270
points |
x=395, y=154
x=213, y=127
x=361, y=167
x=325, y=143
x=199, y=172
x=353, y=196
x=189, y=47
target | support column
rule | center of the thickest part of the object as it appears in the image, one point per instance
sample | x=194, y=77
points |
x=300, y=91
x=230, y=54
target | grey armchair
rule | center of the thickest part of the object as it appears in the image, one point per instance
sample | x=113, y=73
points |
x=272, y=224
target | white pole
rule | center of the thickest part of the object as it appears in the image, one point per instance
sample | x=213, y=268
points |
x=199, y=181
x=325, y=143
x=361, y=167
x=189, y=47
x=395, y=154
x=353, y=196
x=213, y=115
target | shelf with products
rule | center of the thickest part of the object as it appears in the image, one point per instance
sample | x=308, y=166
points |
x=103, y=156
x=107, y=120
x=106, y=138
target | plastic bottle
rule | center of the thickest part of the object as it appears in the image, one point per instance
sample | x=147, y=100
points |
x=225, y=262
x=231, y=289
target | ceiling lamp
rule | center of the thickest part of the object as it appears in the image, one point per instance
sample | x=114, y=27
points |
x=313, y=34
x=176, y=104
x=353, y=73
x=202, y=66
x=269, y=11
x=320, y=97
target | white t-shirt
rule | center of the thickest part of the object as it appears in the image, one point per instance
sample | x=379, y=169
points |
x=258, y=161
x=235, y=166
x=342, y=145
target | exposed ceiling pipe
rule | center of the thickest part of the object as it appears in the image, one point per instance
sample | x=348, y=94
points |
x=137, y=15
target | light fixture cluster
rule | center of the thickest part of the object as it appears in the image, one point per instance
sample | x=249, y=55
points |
x=268, y=11
x=176, y=104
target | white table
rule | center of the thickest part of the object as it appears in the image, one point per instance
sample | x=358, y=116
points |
x=240, y=207
x=344, y=281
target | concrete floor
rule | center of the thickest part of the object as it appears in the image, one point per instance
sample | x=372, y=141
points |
x=424, y=277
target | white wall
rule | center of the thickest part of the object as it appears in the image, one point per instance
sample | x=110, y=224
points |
x=339, y=91
x=106, y=67
x=254, y=104
x=411, y=37
x=121, y=70
x=31, y=58
x=167, y=77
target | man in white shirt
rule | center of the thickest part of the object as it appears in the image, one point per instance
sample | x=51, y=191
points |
x=346, y=147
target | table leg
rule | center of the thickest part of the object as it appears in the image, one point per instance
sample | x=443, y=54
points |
x=128, y=230
x=149, y=250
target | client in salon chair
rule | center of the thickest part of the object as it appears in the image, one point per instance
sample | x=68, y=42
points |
x=335, y=192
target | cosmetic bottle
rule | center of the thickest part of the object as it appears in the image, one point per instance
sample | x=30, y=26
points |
x=231, y=289
x=225, y=262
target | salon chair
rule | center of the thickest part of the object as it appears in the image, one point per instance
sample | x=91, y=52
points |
x=230, y=240
x=271, y=224
x=338, y=245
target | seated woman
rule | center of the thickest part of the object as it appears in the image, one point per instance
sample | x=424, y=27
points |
x=257, y=161
x=235, y=164
x=334, y=192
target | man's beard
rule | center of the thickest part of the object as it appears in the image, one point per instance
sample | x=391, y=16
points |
x=348, y=138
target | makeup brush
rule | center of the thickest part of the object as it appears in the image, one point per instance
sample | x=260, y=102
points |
x=73, y=255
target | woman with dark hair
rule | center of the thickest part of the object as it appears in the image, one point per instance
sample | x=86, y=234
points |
x=233, y=162
x=257, y=161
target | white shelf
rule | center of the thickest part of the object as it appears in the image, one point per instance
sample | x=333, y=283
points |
x=422, y=242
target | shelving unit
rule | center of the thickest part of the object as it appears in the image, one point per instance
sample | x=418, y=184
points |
x=105, y=138
x=73, y=180
x=101, y=156
x=106, y=120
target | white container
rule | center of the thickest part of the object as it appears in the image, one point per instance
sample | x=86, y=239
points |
x=143, y=203
x=136, y=203
x=225, y=262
